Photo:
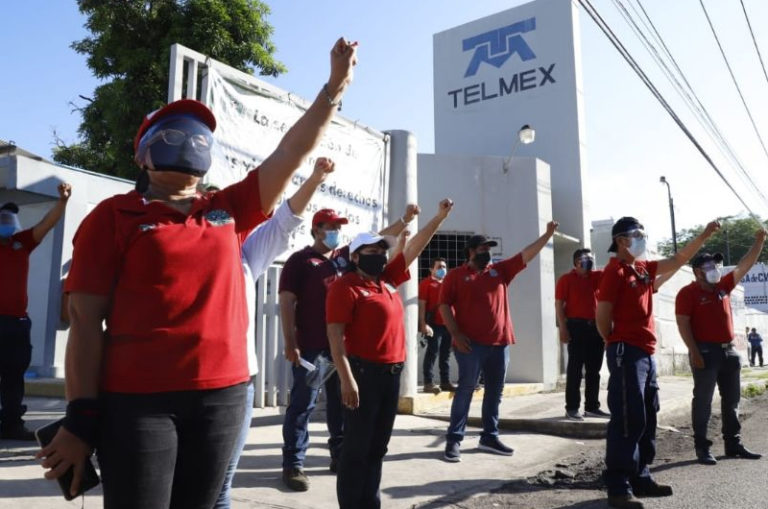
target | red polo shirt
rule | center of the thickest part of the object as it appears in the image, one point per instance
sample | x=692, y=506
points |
x=177, y=318
x=372, y=312
x=579, y=293
x=480, y=302
x=630, y=290
x=709, y=310
x=429, y=292
x=14, y=269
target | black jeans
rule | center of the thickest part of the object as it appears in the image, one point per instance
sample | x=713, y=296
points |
x=722, y=367
x=15, y=355
x=756, y=350
x=367, y=430
x=168, y=450
x=441, y=340
x=585, y=351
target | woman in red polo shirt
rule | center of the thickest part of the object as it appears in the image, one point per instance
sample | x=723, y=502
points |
x=160, y=394
x=365, y=330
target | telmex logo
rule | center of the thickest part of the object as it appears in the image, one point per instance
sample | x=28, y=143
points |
x=495, y=47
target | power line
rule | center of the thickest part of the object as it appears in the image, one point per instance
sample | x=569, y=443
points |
x=589, y=8
x=754, y=41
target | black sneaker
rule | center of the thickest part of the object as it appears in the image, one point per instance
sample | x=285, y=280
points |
x=704, y=456
x=431, y=388
x=18, y=433
x=651, y=489
x=624, y=502
x=573, y=415
x=597, y=413
x=739, y=451
x=296, y=479
x=452, y=452
x=448, y=386
x=494, y=445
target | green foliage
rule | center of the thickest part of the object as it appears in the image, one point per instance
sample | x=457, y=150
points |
x=735, y=236
x=129, y=48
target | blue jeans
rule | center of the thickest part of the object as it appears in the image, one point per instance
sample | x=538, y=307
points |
x=633, y=399
x=302, y=402
x=440, y=341
x=493, y=361
x=224, y=497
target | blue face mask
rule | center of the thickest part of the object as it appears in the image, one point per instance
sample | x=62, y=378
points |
x=179, y=143
x=6, y=230
x=331, y=239
x=440, y=273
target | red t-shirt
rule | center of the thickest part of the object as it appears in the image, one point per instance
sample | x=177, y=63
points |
x=177, y=318
x=709, y=310
x=429, y=291
x=579, y=293
x=372, y=312
x=630, y=290
x=14, y=269
x=480, y=301
x=307, y=274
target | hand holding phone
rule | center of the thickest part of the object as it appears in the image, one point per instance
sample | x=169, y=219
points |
x=68, y=459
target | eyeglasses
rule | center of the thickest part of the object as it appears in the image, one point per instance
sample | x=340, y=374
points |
x=175, y=137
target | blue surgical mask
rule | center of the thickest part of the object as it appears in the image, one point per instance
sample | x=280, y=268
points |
x=6, y=230
x=331, y=239
x=440, y=273
x=586, y=263
x=637, y=248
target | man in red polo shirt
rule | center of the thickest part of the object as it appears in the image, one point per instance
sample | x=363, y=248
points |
x=432, y=327
x=575, y=304
x=474, y=303
x=303, y=284
x=703, y=310
x=15, y=343
x=625, y=321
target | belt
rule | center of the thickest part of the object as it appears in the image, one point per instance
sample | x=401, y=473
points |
x=582, y=320
x=724, y=346
x=376, y=367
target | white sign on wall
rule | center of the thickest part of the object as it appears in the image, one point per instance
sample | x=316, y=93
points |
x=755, y=284
x=250, y=125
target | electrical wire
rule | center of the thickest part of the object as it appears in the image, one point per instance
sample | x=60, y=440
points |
x=754, y=41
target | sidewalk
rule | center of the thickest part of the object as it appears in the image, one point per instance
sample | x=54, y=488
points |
x=414, y=472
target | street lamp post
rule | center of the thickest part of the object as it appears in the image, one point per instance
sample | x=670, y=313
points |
x=663, y=180
x=525, y=135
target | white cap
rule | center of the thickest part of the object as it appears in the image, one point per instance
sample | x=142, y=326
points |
x=368, y=238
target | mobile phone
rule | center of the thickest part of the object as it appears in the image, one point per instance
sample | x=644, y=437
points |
x=90, y=478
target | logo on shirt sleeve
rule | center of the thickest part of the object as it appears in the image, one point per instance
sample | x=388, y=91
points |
x=493, y=273
x=219, y=217
x=16, y=245
x=147, y=227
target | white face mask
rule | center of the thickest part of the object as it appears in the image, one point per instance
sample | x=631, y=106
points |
x=713, y=276
x=637, y=248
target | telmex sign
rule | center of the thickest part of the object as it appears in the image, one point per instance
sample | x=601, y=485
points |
x=495, y=48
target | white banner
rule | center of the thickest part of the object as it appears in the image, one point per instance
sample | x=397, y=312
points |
x=249, y=127
x=756, y=287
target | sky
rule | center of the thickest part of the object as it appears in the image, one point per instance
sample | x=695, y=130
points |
x=630, y=139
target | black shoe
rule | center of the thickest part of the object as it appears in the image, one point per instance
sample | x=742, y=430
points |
x=624, y=502
x=597, y=413
x=448, y=386
x=452, y=452
x=651, y=489
x=18, y=433
x=704, y=456
x=431, y=388
x=296, y=479
x=739, y=451
x=494, y=445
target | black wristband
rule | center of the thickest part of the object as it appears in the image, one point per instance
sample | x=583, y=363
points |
x=83, y=419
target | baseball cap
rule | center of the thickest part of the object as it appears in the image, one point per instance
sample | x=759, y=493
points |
x=180, y=107
x=622, y=226
x=368, y=238
x=702, y=258
x=328, y=216
x=476, y=241
x=10, y=207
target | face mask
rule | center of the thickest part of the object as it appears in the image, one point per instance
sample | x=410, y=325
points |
x=440, y=273
x=372, y=264
x=587, y=264
x=331, y=239
x=637, y=248
x=6, y=230
x=713, y=276
x=482, y=259
x=179, y=143
x=9, y=223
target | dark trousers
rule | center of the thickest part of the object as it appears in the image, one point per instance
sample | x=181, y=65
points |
x=756, y=350
x=15, y=356
x=440, y=340
x=367, y=430
x=722, y=367
x=168, y=450
x=633, y=399
x=300, y=406
x=585, y=351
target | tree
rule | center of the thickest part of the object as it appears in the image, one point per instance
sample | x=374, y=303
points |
x=129, y=47
x=734, y=239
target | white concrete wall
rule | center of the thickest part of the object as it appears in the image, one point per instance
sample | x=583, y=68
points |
x=514, y=206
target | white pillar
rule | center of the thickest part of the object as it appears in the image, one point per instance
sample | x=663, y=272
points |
x=402, y=191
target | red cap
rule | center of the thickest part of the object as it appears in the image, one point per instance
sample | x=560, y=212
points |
x=180, y=107
x=328, y=216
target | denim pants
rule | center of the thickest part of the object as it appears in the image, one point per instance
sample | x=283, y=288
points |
x=367, y=430
x=633, y=399
x=15, y=355
x=224, y=497
x=492, y=361
x=302, y=402
x=169, y=449
x=722, y=367
x=440, y=340
x=585, y=351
